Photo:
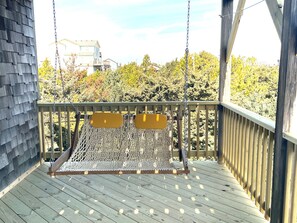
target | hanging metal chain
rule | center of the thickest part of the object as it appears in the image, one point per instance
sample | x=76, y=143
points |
x=57, y=55
x=186, y=110
x=58, y=60
x=55, y=91
x=58, y=68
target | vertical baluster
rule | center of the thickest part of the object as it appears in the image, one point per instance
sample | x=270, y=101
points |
x=229, y=137
x=215, y=131
x=254, y=162
x=240, y=149
x=294, y=195
x=206, y=130
x=233, y=130
x=42, y=134
x=224, y=136
x=225, y=139
x=242, y=146
x=189, y=132
x=51, y=131
x=264, y=167
x=198, y=131
x=68, y=127
x=237, y=147
x=269, y=175
x=172, y=127
x=250, y=163
x=246, y=152
x=259, y=165
x=60, y=131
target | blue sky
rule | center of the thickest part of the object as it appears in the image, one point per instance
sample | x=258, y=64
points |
x=129, y=29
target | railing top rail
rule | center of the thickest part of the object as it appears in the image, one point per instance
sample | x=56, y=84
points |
x=176, y=103
x=290, y=138
x=252, y=116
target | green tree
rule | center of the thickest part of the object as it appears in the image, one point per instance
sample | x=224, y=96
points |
x=131, y=74
x=46, y=81
x=254, y=85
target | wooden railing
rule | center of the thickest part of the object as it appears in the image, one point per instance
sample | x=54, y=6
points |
x=248, y=142
x=290, y=201
x=202, y=121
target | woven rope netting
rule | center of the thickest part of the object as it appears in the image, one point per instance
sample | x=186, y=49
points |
x=124, y=148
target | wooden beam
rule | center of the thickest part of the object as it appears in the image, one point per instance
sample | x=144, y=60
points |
x=59, y=162
x=226, y=26
x=224, y=89
x=276, y=15
x=18, y=180
x=286, y=106
x=66, y=155
x=239, y=10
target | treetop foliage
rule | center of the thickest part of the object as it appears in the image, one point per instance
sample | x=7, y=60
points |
x=253, y=85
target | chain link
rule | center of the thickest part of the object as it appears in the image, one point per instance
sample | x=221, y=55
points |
x=186, y=111
x=55, y=87
x=57, y=55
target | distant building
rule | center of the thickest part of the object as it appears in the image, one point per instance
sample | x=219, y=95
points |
x=110, y=64
x=86, y=53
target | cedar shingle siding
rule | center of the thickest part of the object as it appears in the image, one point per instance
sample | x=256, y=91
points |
x=19, y=145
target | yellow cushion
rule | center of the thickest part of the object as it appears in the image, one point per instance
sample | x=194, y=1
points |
x=106, y=120
x=150, y=121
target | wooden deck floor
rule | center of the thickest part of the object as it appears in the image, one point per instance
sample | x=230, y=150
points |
x=209, y=194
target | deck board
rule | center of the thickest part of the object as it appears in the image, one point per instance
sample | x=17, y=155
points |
x=80, y=204
x=143, y=201
x=22, y=210
x=208, y=194
x=102, y=206
x=7, y=215
x=210, y=204
x=172, y=201
x=35, y=204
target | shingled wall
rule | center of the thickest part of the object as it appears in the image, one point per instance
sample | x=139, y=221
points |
x=19, y=145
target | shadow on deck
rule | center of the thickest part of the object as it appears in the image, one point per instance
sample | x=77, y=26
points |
x=208, y=194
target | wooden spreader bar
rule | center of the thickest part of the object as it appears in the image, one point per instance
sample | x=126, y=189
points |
x=175, y=172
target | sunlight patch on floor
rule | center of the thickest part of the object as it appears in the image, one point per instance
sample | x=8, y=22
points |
x=152, y=211
x=166, y=211
x=197, y=211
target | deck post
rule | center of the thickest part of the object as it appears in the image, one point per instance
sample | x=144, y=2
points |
x=224, y=88
x=286, y=114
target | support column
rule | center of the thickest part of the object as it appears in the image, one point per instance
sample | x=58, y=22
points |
x=286, y=115
x=224, y=89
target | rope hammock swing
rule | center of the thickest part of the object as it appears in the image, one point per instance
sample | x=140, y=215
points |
x=112, y=143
